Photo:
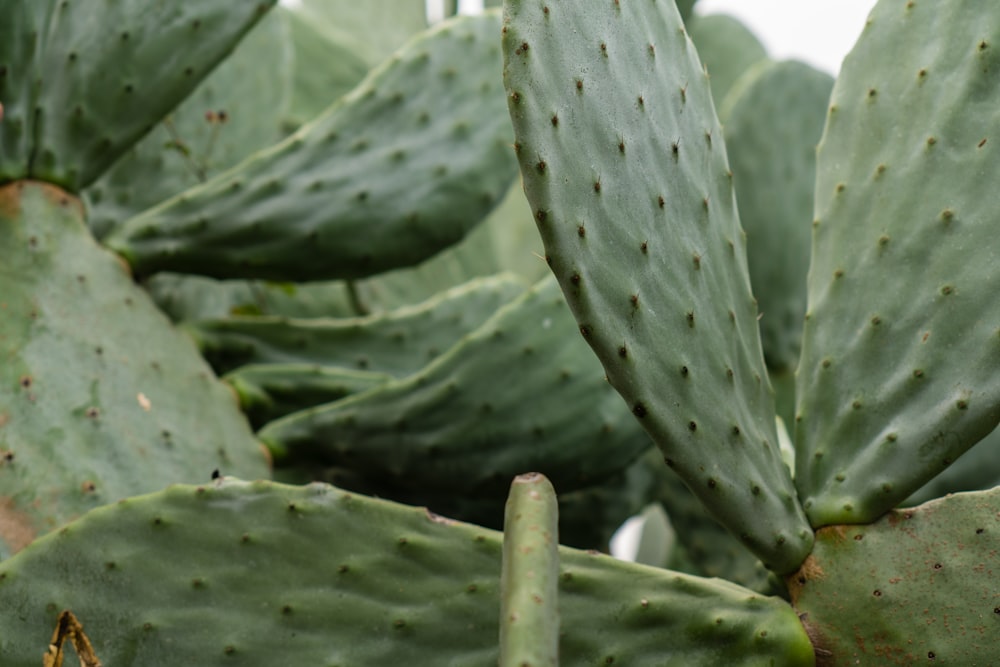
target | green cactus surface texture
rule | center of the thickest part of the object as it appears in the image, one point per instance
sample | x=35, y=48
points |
x=314, y=88
x=916, y=587
x=233, y=113
x=371, y=30
x=269, y=391
x=975, y=470
x=624, y=163
x=506, y=242
x=83, y=81
x=522, y=393
x=398, y=342
x=191, y=298
x=529, y=580
x=773, y=120
x=340, y=200
x=259, y=571
x=727, y=49
x=898, y=374
x=100, y=398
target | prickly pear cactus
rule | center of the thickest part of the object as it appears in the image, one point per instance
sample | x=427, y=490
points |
x=341, y=200
x=100, y=398
x=624, y=163
x=898, y=374
x=260, y=571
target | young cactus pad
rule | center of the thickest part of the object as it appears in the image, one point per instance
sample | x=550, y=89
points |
x=625, y=165
x=83, y=81
x=529, y=580
x=100, y=398
x=397, y=170
x=262, y=574
x=901, y=349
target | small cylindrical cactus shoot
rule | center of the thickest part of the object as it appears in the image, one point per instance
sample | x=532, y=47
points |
x=529, y=584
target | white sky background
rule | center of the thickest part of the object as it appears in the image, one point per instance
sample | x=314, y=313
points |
x=820, y=32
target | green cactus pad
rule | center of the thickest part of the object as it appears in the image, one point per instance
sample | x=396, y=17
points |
x=372, y=30
x=235, y=112
x=100, y=398
x=975, y=470
x=252, y=574
x=916, y=587
x=191, y=298
x=315, y=88
x=522, y=393
x=529, y=579
x=624, y=163
x=588, y=517
x=399, y=342
x=402, y=167
x=773, y=121
x=88, y=79
x=727, y=49
x=506, y=241
x=900, y=368
x=269, y=391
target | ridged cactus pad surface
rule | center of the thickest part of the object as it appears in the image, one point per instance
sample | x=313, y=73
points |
x=901, y=351
x=917, y=587
x=269, y=391
x=100, y=398
x=83, y=81
x=222, y=122
x=521, y=393
x=399, y=342
x=236, y=573
x=397, y=170
x=625, y=166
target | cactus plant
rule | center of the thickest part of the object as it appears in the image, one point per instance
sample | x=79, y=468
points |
x=626, y=168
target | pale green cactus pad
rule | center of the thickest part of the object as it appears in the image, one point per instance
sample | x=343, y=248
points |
x=773, y=121
x=900, y=369
x=917, y=587
x=261, y=574
x=727, y=49
x=625, y=166
x=100, y=398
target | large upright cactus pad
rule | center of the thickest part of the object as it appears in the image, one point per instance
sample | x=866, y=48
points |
x=625, y=165
x=100, y=398
x=901, y=350
x=257, y=574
